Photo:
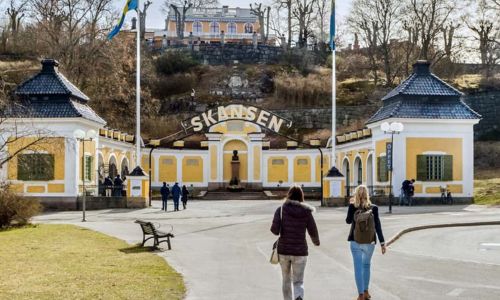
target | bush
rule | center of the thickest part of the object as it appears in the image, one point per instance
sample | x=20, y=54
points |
x=175, y=62
x=15, y=209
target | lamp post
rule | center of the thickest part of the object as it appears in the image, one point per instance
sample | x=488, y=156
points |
x=392, y=128
x=153, y=144
x=83, y=136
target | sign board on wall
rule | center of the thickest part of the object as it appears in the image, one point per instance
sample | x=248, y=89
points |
x=388, y=152
x=259, y=116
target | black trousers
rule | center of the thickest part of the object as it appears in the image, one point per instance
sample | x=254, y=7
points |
x=164, y=204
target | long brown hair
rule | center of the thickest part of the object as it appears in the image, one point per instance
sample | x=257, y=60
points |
x=295, y=193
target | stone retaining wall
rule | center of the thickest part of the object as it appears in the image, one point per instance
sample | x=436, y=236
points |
x=220, y=54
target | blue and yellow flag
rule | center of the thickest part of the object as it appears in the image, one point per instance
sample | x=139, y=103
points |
x=131, y=5
x=332, y=27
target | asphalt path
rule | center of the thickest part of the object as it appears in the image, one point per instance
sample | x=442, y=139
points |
x=222, y=248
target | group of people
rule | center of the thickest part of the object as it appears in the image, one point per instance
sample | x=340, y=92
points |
x=178, y=194
x=407, y=192
x=112, y=187
x=294, y=217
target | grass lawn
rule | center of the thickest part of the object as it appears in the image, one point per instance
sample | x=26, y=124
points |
x=487, y=191
x=69, y=262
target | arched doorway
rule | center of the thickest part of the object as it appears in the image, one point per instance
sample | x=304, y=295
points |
x=112, y=168
x=124, y=168
x=369, y=172
x=228, y=149
x=358, y=171
x=101, y=173
x=347, y=173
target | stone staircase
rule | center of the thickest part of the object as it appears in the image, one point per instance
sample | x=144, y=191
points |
x=225, y=195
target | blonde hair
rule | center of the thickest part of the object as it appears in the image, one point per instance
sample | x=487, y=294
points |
x=361, y=197
x=295, y=193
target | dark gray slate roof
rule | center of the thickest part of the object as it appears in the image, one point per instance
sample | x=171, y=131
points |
x=51, y=109
x=424, y=96
x=50, y=82
x=427, y=110
x=423, y=83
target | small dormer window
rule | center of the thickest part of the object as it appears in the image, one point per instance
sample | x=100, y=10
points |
x=45, y=98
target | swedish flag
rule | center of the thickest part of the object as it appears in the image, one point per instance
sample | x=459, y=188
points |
x=131, y=5
x=332, y=27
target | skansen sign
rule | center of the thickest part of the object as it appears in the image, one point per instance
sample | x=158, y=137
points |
x=259, y=116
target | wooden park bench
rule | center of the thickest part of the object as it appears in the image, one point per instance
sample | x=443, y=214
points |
x=149, y=229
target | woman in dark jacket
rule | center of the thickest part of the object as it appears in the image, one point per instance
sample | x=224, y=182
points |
x=185, y=194
x=362, y=252
x=290, y=222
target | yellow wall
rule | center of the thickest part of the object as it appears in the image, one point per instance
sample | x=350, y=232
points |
x=55, y=188
x=277, y=172
x=17, y=188
x=257, y=154
x=167, y=173
x=416, y=146
x=213, y=162
x=35, y=189
x=243, y=157
x=90, y=148
x=326, y=166
x=55, y=146
x=145, y=166
x=302, y=173
x=192, y=173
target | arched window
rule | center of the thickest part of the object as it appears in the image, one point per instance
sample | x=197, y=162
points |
x=197, y=27
x=248, y=28
x=214, y=27
x=231, y=28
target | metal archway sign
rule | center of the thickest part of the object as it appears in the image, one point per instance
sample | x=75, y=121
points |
x=253, y=114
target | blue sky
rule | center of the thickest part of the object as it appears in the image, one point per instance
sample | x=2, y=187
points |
x=156, y=16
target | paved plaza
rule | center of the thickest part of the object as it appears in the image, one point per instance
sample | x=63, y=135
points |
x=222, y=249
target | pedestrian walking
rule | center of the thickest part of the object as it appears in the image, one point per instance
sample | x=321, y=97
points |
x=185, y=194
x=176, y=194
x=108, y=186
x=365, y=227
x=290, y=222
x=164, y=191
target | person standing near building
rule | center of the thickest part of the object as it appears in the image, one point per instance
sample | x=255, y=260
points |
x=118, y=186
x=108, y=186
x=185, y=194
x=290, y=222
x=176, y=194
x=365, y=227
x=164, y=191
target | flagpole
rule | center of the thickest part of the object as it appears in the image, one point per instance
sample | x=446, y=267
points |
x=138, y=91
x=334, y=85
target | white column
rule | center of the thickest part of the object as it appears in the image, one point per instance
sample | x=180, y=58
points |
x=291, y=164
x=156, y=163
x=179, y=158
x=312, y=159
x=468, y=163
x=250, y=160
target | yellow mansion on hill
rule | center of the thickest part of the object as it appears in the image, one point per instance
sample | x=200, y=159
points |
x=435, y=148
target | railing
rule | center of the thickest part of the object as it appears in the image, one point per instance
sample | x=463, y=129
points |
x=100, y=190
x=214, y=35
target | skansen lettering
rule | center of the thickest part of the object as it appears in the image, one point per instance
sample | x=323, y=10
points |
x=252, y=114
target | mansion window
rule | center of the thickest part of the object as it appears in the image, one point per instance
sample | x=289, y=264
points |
x=248, y=28
x=302, y=162
x=168, y=161
x=231, y=28
x=192, y=162
x=434, y=167
x=214, y=27
x=35, y=167
x=277, y=162
x=197, y=27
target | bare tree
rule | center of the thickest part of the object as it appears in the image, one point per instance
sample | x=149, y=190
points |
x=303, y=13
x=431, y=17
x=263, y=15
x=448, y=36
x=181, y=7
x=288, y=4
x=143, y=16
x=322, y=8
x=482, y=24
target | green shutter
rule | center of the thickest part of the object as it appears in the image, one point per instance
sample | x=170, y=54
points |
x=382, y=172
x=23, y=167
x=448, y=167
x=421, y=167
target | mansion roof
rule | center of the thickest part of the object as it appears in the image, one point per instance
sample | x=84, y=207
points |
x=423, y=95
x=218, y=13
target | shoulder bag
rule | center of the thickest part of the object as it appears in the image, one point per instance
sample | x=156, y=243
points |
x=275, y=258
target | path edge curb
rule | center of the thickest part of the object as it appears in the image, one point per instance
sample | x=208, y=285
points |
x=432, y=226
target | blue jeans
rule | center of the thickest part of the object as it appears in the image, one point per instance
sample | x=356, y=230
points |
x=362, y=256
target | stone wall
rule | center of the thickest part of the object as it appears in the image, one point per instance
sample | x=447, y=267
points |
x=487, y=104
x=220, y=54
